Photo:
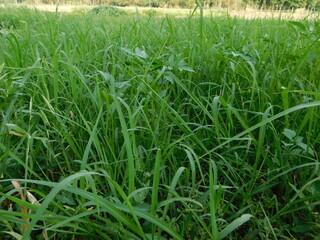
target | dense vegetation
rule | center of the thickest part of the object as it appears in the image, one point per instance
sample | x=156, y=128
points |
x=158, y=128
x=235, y=4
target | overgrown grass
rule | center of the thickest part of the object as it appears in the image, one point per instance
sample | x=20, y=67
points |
x=158, y=128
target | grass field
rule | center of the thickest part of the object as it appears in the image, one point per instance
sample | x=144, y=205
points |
x=139, y=127
x=247, y=13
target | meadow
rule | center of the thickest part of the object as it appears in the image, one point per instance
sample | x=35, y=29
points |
x=142, y=127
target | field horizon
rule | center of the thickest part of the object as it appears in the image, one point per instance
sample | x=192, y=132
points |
x=249, y=12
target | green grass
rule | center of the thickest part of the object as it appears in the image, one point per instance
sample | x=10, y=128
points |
x=138, y=127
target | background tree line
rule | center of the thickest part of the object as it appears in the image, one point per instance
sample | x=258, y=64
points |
x=234, y=4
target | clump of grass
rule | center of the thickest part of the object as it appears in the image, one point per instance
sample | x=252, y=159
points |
x=165, y=128
x=107, y=10
x=150, y=12
x=9, y=21
x=80, y=10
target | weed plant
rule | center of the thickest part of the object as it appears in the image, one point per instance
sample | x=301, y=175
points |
x=158, y=128
x=110, y=11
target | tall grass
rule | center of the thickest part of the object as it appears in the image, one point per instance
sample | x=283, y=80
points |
x=158, y=128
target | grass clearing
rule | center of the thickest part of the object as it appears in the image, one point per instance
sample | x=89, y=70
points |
x=138, y=127
x=247, y=13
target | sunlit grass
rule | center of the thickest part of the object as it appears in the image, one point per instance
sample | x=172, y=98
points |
x=137, y=127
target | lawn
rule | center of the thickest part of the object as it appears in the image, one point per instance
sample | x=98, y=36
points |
x=143, y=127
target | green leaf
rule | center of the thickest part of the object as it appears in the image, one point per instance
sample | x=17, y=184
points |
x=234, y=225
x=186, y=68
x=16, y=128
x=289, y=134
x=299, y=25
x=66, y=198
x=316, y=186
x=15, y=235
x=305, y=148
x=141, y=53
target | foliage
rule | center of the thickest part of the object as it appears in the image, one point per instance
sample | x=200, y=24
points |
x=276, y=4
x=158, y=128
x=8, y=21
x=150, y=13
x=182, y=4
x=107, y=10
x=290, y=3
